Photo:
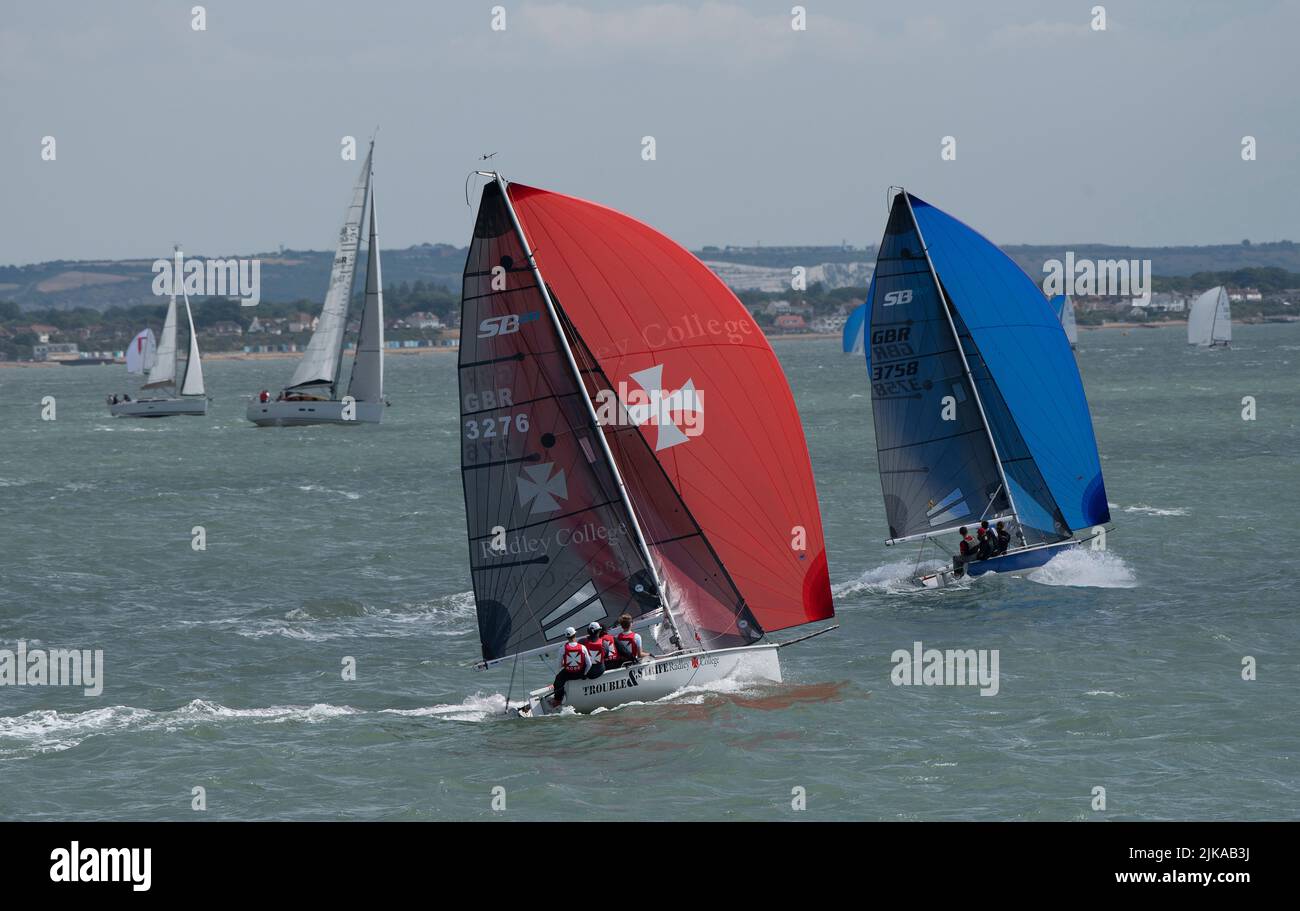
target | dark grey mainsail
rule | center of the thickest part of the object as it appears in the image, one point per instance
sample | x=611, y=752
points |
x=551, y=541
x=938, y=469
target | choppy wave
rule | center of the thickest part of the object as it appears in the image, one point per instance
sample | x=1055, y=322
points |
x=1157, y=510
x=316, y=488
x=1086, y=569
x=321, y=620
x=50, y=731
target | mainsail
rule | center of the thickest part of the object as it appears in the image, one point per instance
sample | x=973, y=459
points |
x=1064, y=308
x=703, y=412
x=164, y=364
x=551, y=542
x=945, y=285
x=367, y=381
x=141, y=352
x=193, y=382
x=1210, y=322
x=320, y=363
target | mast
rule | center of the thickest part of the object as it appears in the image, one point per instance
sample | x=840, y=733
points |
x=961, y=351
x=553, y=313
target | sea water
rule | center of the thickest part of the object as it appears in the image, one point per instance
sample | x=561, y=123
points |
x=235, y=577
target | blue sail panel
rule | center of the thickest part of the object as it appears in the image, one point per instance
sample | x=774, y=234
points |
x=937, y=468
x=1028, y=356
x=853, y=328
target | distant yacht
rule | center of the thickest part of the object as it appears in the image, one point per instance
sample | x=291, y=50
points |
x=312, y=394
x=1064, y=308
x=1210, y=323
x=189, y=397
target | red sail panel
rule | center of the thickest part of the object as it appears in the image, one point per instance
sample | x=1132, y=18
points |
x=697, y=377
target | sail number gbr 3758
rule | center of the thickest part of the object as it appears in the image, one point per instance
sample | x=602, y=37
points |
x=890, y=375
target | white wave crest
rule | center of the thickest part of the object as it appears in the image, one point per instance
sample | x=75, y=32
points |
x=50, y=731
x=1086, y=569
x=1157, y=510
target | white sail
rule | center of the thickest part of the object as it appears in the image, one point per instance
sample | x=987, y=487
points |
x=164, y=366
x=1210, y=322
x=1067, y=322
x=367, y=382
x=140, y=354
x=319, y=365
x=193, y=383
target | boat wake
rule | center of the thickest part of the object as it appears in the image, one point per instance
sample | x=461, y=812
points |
x=1086, y=569
x=892, y=579
x=479, y=707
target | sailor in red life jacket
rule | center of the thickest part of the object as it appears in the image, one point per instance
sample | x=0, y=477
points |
x=967, y=553
x=575, y=662
x=595, y=645
x=627, y=644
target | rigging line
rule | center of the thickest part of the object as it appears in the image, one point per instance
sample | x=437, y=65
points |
x=511, y=688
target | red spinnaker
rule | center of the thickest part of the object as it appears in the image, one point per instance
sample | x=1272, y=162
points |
x=663, y=328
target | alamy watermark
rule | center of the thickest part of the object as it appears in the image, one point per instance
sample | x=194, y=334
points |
x=238, y=278
x=946, y=667
x=53, y=667
x=1098, y=278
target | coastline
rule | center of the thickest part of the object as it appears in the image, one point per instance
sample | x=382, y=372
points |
x=783, y=337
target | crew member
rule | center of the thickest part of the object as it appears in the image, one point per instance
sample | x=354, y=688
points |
x=575, y=662
x=984, y=549
x=1003, y=539
x=628, y=643
x=264, y=396
x=595, y=645
x=965, y=554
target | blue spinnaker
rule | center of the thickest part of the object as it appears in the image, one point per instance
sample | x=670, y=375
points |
x=1027, y=354
x=853, y=328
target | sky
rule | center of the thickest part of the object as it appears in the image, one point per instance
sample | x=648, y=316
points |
x=228, y=139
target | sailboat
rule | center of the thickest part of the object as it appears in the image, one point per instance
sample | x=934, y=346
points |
x=189, y=397
x=1064, y=308
x=312, y=394
x=141, y=353
x=853, y=339
x=1209, y=325
x=593, y=488
x=979, y=409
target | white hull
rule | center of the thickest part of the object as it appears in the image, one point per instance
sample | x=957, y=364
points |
x=655, y=678
x=298, y=414
x=160, y=408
